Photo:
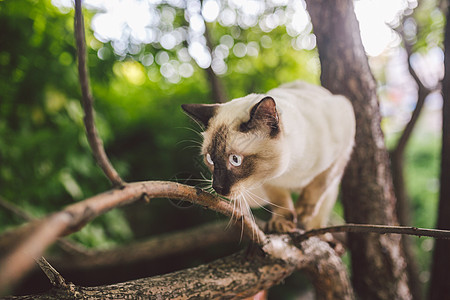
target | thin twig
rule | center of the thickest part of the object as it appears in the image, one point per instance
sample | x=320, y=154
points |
x=55, y=278
x=298, y=237
x=95, y=141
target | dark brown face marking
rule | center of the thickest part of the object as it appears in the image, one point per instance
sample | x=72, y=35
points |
x=263, y=115
x=224, y=178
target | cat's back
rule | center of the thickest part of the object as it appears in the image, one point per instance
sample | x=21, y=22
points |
x=326, y=121
x=303, y=88
x=313, y=102
x=303, y=94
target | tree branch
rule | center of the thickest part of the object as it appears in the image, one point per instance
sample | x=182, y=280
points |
x=55, y=278
x=95, y=141
x=233, y=277
x=31, y=240
x=422, y=93
x=366, y=228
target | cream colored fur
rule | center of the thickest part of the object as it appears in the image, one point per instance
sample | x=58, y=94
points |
x=308, y=156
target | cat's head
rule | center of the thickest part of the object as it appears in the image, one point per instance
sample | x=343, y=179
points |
x=242, y=142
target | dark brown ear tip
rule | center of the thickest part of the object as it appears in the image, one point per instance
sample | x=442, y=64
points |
x=190, y=109
x=200, y=112
x=185, y=107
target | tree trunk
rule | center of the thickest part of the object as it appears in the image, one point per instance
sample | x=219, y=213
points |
x=378, y=262
x=439, y=287
x=217, y=89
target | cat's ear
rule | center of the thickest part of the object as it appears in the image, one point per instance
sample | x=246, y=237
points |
x=201, y=112
x=263, y=115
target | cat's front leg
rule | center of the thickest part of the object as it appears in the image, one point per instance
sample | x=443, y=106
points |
x=284, y=217
x=318, y=197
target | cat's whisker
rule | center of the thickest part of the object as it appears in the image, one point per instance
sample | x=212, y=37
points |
x=205, y=178
x=199, y=180
x=197, y=123
x=242, y=219
x=265, y=201
x=193, y=130
x=249, y=213
x=177, y=179
x=265, y=208
x=233, y=219
x=199, y=143
x=210, y=190
x=191, y=144
x=251, y=195
x=196, y=147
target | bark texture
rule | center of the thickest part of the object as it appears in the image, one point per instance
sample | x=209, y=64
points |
x=234, y=277
x=378, y=262
x=440, y=288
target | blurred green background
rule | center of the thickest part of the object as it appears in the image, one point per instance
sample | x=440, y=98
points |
x=138, y=86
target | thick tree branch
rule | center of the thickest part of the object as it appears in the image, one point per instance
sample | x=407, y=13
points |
x=31, y=240
x=95, y=141
x=235, y=277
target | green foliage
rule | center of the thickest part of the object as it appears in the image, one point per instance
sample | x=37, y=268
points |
x=45, y=159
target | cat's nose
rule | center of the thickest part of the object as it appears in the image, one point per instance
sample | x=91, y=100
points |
x=220, y=189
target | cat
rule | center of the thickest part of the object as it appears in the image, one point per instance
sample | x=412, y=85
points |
x=262, y=147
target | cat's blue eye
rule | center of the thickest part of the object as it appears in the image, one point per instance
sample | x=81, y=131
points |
x=235, y=160
x=209, y=159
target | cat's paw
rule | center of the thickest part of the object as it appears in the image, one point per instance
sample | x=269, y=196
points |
x=305, y=213
x=305, y=210
x=280, y=224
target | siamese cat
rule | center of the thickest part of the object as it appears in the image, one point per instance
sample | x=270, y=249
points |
x=262, y=147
